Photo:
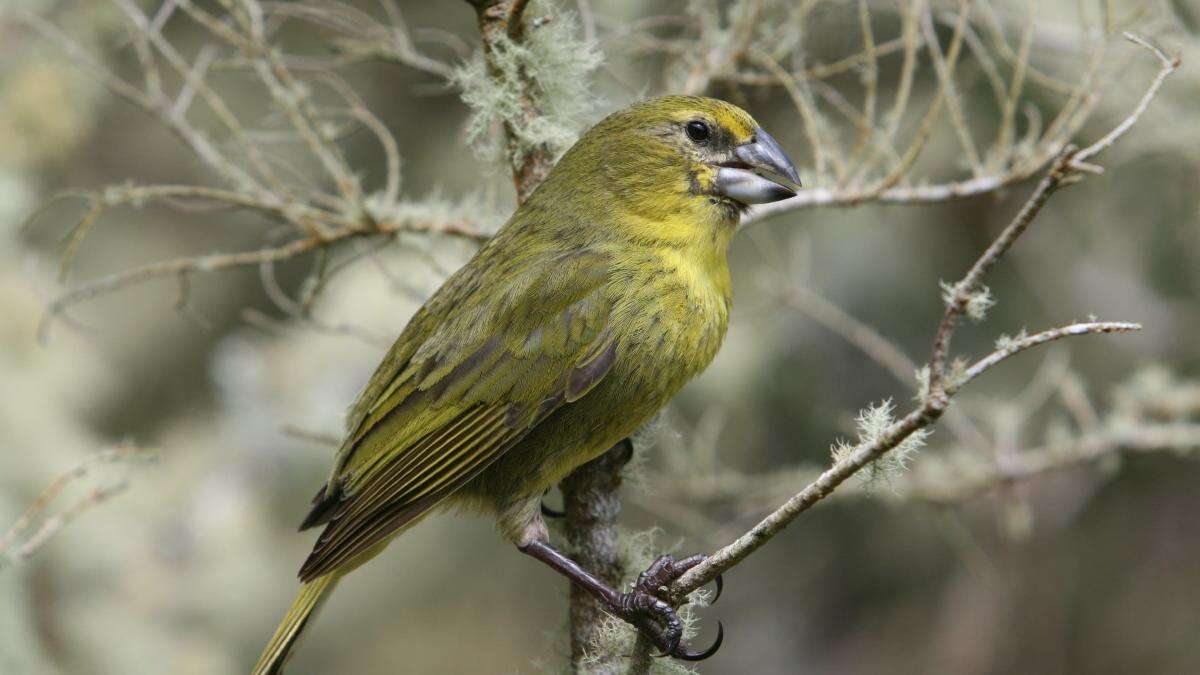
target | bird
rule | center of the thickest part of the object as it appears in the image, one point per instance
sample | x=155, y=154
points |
x=567, y=331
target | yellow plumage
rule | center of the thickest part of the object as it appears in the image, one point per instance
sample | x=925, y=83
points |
x=603, y=294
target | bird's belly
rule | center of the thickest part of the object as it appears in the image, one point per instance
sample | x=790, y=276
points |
x=570, y=436
x=648, y=373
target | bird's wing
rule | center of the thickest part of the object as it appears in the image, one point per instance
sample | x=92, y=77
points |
x=475, y=370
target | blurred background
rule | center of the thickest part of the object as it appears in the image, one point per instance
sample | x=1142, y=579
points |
x=212, y=401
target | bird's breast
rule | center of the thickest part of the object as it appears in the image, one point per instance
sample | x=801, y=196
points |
x=673, y=313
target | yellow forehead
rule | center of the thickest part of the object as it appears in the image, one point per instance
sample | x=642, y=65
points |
x=727, y=116
x=736, y=120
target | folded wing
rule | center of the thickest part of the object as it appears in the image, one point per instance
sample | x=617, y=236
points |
x=476, y=369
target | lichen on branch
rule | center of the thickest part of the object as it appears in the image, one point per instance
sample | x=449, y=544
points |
x=531, y=82
x=872, y=422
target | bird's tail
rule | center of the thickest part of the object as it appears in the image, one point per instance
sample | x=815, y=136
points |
x=302, y=610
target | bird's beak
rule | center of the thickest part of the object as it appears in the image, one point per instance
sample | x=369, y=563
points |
x=738, y=180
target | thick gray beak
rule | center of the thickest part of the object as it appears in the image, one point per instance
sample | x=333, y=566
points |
x=739, y=181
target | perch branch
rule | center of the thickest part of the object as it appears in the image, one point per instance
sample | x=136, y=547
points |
x=590, y=492
x=1066, y=169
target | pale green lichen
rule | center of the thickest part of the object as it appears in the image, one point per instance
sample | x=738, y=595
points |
x=557, y=62
x=978, y=299
x=434, y=209
x=1154, y=394
x=956, y=375
x=1010, y=343
x=873, y=422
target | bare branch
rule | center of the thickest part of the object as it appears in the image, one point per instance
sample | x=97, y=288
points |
x=21, y=540
x=1016, y=346
x=946, y=80
x=935, y=401
x=878, y=348
x=1009, y=161
x=362, y=38
x=1089, y=447
x=1009, y=112
x=1169, y=65
x=915, y=195
x=344, y=232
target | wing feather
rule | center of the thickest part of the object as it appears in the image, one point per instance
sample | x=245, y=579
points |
x=367, y=520
x=463, y=388
x=404, y=471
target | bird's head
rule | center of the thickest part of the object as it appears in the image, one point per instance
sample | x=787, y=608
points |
x=678, y=158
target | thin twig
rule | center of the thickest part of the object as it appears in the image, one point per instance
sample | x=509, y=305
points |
x=1169, y=65
x=1089, y=447
x=936, y=400
x=19, y=543
x=1017, y=346
x=223, y=261
x=878, y=348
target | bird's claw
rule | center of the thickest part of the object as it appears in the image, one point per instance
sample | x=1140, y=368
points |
x=684, y=655
x=652, y=615
x=667, y=569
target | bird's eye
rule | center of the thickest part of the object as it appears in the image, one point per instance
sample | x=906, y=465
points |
x=697, y=131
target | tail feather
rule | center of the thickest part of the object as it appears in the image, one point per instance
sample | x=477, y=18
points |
x=303, y=608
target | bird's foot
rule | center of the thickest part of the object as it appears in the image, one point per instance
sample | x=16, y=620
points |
x=645, y=608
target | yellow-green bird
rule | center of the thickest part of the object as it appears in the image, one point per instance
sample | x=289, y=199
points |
x=587, y=311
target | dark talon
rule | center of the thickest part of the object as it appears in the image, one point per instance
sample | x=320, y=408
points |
x=651, y=615
x=720, y=587
x=655, y=580
x=685, y=655
x=551, y=513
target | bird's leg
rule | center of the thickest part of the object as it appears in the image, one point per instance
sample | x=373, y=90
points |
x=641, y=607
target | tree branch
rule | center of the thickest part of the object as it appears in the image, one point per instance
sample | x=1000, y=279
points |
x=960, y=298
x=1067, y=169
x=341, y=231
x=1088, y=447
x=590, y=492
x=592, y=505
x=253, y=178
x=501, y=20
x=19, y=542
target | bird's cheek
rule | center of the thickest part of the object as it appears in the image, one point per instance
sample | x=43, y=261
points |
x=703, y=181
